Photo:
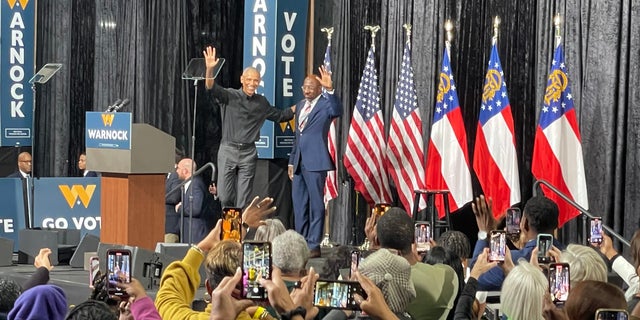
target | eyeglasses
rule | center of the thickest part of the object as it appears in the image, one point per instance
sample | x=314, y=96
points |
x=308, y=87
x=24, y=161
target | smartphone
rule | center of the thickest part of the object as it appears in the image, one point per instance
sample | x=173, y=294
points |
x=559, y=282
x=544, y=243
x=356, y=256
x=497, y=245
x=337, y=294
x=94, y=269
x=422, y=234
x=119, y=269
x=611, y=314
x=380, y=208
x=231, y=224
x=513, y=220
x=595, y=236
x=256, y=264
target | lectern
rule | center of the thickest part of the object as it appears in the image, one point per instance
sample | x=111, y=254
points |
x=134, y=160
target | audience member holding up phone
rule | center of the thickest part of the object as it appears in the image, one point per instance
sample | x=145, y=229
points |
x=464, y=307
x=181, y=278
x=540, y=215
x=620, y=265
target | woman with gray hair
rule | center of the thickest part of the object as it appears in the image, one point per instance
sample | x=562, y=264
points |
x=585, y=264
x=523, y=292
x=271, y=229
x=290, y=254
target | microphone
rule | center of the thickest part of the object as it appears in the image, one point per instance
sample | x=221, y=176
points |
x=110, y=107
x=124, y=103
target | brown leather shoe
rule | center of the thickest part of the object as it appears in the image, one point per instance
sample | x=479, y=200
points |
x=315, y=253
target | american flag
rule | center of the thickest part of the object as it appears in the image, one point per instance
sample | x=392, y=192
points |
x=331, y=184
x=495, y=159
x=363, y=157
x=405, y=151
x=557, y=150
x=447, y=156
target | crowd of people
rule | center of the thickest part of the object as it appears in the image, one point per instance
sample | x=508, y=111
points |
x=396, y=281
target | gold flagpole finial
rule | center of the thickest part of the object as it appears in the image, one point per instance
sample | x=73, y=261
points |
x=557, y=23
x=373, y=30
x=496, y=28
x=407, y=28
x=328, y=31
x=448, y=27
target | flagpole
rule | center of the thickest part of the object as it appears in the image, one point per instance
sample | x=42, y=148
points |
x=557, y=22
x=374, y=30
x=496, y=28
x=365, y=245
x=448, y=27
x=326, y=241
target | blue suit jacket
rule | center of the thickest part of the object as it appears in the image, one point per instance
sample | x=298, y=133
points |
x=310, y=146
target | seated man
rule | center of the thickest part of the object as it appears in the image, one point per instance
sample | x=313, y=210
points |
x=436, y=285
x=540, y=215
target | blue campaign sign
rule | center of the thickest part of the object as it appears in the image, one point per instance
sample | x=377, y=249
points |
x=67, y=203
x=274, y=40
x=12, y=212
x=108, y=130
x=17, y=62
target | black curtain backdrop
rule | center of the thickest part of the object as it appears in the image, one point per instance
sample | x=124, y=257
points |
x=138, y=50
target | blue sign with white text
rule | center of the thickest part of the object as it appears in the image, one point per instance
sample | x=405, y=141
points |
x=17, y=43
x=12, y=217
x=275, y=44
x=67, y=203
x=108, y=130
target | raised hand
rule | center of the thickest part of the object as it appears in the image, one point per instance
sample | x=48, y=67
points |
x=210, y=58
x=325, y=78
x=483, y=210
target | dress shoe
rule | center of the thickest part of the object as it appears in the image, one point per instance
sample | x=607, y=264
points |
x=315, y=253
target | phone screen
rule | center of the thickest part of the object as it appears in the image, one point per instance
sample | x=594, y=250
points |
x=256, y=264
x=119, y=266
x=355, y=262
x=422, y=234
x=611, y=314
x=94, y=269
x=513, y=220
x=337, y=294
x=596, y=230
x=380, y=208
x=545, y=242
x=559, y=282
x=231, y=224
x=497, y=245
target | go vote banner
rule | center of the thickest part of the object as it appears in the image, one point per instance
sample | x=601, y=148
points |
x=274, y=43
x=17, y=62
x=67, y=203
x=12, y=211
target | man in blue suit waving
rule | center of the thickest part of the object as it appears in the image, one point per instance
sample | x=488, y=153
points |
x=310, y=160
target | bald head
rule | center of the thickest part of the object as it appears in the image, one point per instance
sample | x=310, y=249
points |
x=24, y=162
x=311, y=87
x=184, y=168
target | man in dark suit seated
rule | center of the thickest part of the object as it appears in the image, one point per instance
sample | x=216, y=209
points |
x=198, y=224
x=82, y=165
x=24, y=166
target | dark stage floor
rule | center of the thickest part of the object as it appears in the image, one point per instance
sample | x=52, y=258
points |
x=74, y=281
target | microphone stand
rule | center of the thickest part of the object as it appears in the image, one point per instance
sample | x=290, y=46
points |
x=196, y=70
x=193, y=156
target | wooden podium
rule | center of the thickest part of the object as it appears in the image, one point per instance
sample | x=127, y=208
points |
x=133, y=185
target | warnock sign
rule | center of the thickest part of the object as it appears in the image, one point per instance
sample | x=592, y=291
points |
x=17, y=61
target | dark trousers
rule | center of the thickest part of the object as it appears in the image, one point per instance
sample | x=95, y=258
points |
x=308, y=205
x=236, y=170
